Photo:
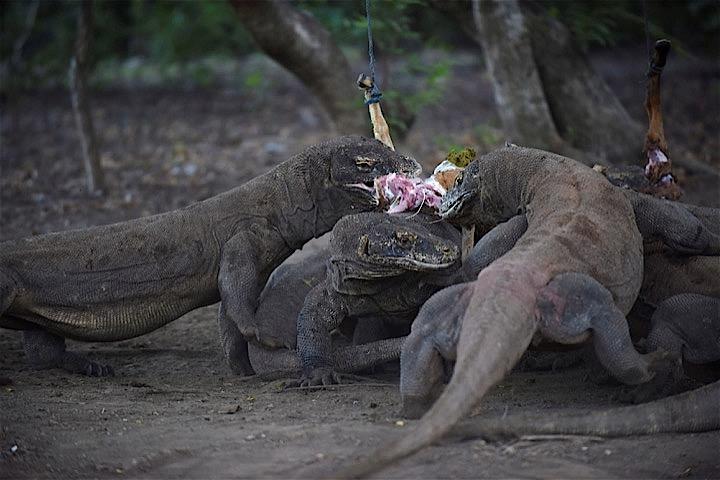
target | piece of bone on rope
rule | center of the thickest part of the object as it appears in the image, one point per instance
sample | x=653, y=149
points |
x=381, y=131
x=658, y=168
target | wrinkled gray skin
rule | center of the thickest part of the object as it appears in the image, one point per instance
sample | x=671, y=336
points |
x=573, y=275
x=278, y=309
x=119, y=281
x=382, y=267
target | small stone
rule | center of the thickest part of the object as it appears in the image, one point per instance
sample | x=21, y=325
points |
x=607, y=452
x=319, y=456
x=399, y=423
x=584, y=448
x=14, y=448
x=233, y=409
x=250, y=437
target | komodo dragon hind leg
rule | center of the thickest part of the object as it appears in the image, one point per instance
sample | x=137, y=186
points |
x=687, y=326
x=574, y=305
x=46, y=350
x=432, y=341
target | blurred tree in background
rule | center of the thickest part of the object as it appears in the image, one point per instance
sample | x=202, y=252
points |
x=190, y=42
x=181, y=31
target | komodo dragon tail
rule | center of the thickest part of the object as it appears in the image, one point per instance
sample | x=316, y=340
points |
x=694, y=411
x=497, y=329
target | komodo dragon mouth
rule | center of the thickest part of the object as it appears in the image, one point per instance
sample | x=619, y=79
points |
x=453, y=204
x=367, y=188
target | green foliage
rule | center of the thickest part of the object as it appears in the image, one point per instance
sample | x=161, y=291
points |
x=165, y=32
x=461, y=157
x=611, y=22
x=391, y=22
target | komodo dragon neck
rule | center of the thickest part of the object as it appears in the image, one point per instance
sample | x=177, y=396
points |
x=506, y=190
x=295, y=199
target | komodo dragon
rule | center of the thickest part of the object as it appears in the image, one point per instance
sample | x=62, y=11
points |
x=401, y=241
x=122, y=280
x=576, y=269
x=381, y=267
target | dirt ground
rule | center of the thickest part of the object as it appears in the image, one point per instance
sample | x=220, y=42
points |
x=173, y=409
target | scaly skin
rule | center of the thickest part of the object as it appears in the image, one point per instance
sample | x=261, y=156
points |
x=575, y=271
x=382, y=267
x=119, y=281
x=284, y=295
x=685, y=327
x=564, y=278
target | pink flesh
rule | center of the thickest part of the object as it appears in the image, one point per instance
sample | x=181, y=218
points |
x=406, y=193
x=655, y=157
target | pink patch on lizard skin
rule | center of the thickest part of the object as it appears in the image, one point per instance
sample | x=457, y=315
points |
x=405, y=193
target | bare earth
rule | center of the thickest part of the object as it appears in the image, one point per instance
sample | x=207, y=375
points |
x=173, y=409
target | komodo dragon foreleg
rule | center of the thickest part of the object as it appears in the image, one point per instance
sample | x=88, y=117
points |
x=497, y=242
x=432, y=341
x=322, y=312
x=240, y=284
x=675, y=224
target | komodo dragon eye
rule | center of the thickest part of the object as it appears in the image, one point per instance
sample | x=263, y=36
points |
x=458, y=179
x=405, y=238
x=365, y=164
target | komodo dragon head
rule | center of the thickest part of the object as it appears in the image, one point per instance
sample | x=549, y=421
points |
x=369, y=246
x=470, y=200
x=354, y=164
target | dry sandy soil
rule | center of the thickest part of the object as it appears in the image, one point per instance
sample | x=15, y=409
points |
x=173, y=409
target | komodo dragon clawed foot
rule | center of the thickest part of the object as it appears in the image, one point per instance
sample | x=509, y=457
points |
x=45, y=350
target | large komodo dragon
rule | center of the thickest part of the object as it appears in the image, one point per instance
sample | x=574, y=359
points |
x=575, y=271
x=122, y=280
x=380, y=270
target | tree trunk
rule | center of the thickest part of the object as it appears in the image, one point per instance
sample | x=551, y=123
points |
x=81, y=104
x=299, y=43
x=586, y=113
x=517, y=86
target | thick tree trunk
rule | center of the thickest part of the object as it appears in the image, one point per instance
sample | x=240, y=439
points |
x=517, y=86
x=81, y=107
x=587, y=114
x=299, y=43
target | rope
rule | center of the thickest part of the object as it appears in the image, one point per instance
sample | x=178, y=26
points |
x=648, y=50
x=375, y=94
